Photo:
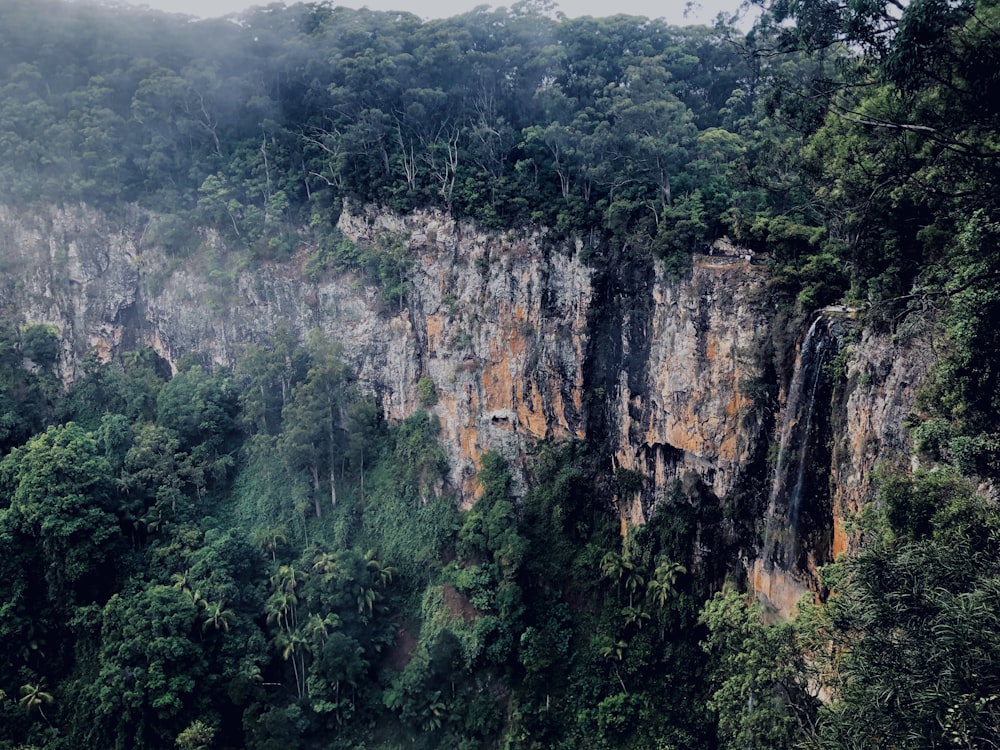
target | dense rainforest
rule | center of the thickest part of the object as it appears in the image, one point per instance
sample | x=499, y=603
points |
x=253, y=557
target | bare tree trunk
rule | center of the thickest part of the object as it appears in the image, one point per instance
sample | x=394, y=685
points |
x=315, y=473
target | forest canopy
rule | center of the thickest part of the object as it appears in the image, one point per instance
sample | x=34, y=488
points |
x=619, y=125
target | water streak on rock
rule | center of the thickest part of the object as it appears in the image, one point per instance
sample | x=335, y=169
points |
x=783, y=564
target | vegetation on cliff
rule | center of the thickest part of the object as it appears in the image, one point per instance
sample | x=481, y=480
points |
x=255, y=559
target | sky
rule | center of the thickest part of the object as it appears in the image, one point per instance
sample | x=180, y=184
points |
x=678, y=12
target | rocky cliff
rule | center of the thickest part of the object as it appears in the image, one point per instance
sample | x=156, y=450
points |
x=675, y=399
x=522, y=339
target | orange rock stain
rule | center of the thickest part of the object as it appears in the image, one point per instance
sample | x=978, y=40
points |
x=839, y=545
x=435, y=332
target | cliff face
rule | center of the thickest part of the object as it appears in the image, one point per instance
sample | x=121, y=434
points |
x=497, y=322
x=73, y=269
x=521, y=339
x=883, y=374
x=676, y=405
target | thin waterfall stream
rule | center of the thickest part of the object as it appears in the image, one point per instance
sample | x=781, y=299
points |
x=799, y=484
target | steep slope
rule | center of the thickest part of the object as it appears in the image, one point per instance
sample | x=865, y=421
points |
x=511, y=338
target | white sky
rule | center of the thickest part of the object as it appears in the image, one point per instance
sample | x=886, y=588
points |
x=675, y=12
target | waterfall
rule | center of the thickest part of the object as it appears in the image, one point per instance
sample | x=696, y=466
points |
x=800, y=450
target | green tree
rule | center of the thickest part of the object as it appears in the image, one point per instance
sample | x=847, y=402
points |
x=40, y=344
x=911, y=630
x=200, y=408
x=313, y=438
x=762, y=693
x=267, y=373
x=25, y=396
x=63, y=501
x=158, y=475
x=150, y=668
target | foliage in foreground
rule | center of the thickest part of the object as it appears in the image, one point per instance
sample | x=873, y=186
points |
x=180, y=573
x=905, y=648
x=188, y=566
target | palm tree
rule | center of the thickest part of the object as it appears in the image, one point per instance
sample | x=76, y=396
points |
x=328, y=564
x=614, y=651
x=612, y=565
x=318, y=628
x=366, y=599
x=292, y=644
x=287, y=579
x=624, y=571
x=195, y=596
x=218, y=617
x=32, y=696
x=635, y=616
x=181, y=581
x=384, y=572
x=662, y=585
x=270, y=539
x=280, y=609
x=154, y=519
x=634, y=580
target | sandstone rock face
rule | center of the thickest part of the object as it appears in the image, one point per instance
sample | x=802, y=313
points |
x=498, y=322
x=681, y=408
x=521, y=339
x=883, y=376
